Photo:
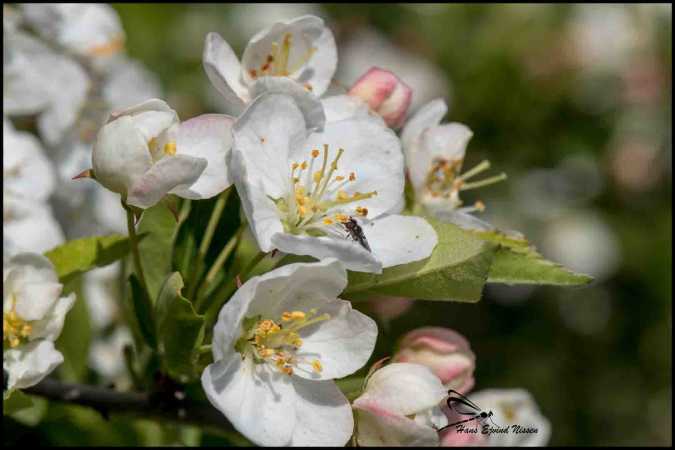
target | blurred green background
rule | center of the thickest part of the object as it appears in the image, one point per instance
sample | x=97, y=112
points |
x=574, y=103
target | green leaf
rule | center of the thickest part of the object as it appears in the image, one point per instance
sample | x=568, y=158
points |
x=26, y=409
x=156, y=249
x=351, y=386
x=75, y=338
x=456, y=270
x=180, y=330
x=142, y=309
x=518, y=262
x=81, y=255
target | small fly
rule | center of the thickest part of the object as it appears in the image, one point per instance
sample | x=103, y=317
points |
x=356, y=233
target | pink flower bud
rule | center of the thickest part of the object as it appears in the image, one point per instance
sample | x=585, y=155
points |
x=385, y=94
x=444, y=351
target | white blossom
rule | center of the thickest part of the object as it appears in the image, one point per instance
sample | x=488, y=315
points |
x=277, y=345
x=33, y=316
x=400, y=407
x=434, y=157
x=300, y=189
x=296, y=57
x=144, y=153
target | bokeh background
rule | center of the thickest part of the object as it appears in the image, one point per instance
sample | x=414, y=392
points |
x=574, y=102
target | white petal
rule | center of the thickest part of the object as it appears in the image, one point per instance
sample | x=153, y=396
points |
x=323, y=415
x=169, y=173
x=446, y=142
x=372, y=151
x=398, y=240
x=260, y=168
x=257, y=401
x=31, y=268
x=26, y=169
x=343, y=344
x=342, y=107
x=121, y=155
x=402, y=389
x=514, y=407
x=28, y=364
x=309, y=104
x=299, y=286
x=29, y=226
x=307, y=32
x=377, y=428
x=223, y=69
x=34, y=300
x=51, y=325
x=207, y=136
x=349, y=252
x=265, y=135
x=462, y=219
x=427, y=116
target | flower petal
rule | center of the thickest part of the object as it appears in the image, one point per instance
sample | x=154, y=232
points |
x=376, y=428
x=402, y=389
x=342, y=344
x=371, y=151
x=350, y=253
x=258, y=402
x=309, y=104
x=28, y=364
x=341, y=107
x=427, y=116
x=50, y=326
x=30, y=268
x=461, y=219
x=446, y=142
x=308, y=32
x=223, y=69
x=152, y=117
x=298, y=286
x=323, y=415
x=121, y=155
x=398, y=239
x=262, y=139
x=207, y=136
x=34, y=300
x=171, y=172
x=29, y=226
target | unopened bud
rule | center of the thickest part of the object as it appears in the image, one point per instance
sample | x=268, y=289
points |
x=385, y=94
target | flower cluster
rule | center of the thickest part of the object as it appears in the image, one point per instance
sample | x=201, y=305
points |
x=319, y=176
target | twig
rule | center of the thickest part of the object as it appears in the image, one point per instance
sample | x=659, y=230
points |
x=172, y=406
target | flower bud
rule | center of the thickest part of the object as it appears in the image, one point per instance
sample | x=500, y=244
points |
x=444, y=351
x=385, y=94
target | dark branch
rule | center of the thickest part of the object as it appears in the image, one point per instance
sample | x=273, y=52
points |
x=160, y=405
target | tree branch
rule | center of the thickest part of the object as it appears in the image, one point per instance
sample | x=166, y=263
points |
x=169, y=405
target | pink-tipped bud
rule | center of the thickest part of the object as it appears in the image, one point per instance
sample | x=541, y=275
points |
x=446, y=352
x=84, y=174
x=385, y=94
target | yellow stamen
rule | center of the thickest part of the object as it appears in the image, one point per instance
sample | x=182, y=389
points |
x=316, y=365
x=315, y=153
x=170, y=148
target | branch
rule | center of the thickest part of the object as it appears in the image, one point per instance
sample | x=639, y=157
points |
x=169, y=405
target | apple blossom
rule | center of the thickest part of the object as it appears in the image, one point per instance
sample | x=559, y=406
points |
x=434, y=157
x=444, y=351
x=517, y=410
x=399, y=407
x=277, y=345
x=28, y=225
x=37, y=80
x=90, y=30
x=300, y=188
x=385, y=94
x=297, y=57
x=33, y=316
x=144, y=153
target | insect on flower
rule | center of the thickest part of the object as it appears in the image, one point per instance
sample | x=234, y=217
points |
x=356, y=233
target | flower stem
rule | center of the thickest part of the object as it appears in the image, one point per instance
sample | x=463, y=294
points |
x=218, y=264
x=133, y=238
x=206, y=242
x=226, y=291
